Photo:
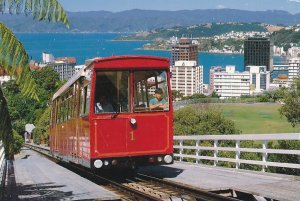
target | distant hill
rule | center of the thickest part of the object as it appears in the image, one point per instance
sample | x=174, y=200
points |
x=286, y=37
x=145, y=20
x=202, y=30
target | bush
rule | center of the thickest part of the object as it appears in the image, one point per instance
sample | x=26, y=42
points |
x=18, y=142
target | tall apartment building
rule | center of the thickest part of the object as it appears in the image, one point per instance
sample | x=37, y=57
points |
x=184, y=51
x=258, y=52
x=294, y=69
x=187, y=77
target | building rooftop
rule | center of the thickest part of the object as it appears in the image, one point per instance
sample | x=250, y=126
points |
x=71, y=60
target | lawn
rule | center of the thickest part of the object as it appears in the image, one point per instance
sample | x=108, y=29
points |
x=257, y=118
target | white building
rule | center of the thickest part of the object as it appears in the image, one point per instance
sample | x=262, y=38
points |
x=280, y=81
x=293, y=52
x=47, y=58
x=228, y=83
x=260, y=79
x=294, y=67
x=187, y=77
x=78, y=68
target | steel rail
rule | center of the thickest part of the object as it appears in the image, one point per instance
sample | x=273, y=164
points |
x=198, y=194
x=160, y=192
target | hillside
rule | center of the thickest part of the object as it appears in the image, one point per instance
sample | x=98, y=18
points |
x=285, y=37
x=203, y=30
x=146, y=20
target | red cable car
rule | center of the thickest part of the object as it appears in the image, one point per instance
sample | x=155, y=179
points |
x=116, y=112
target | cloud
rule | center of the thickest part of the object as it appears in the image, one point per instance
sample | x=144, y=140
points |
x=297, y=1
x=222, y=6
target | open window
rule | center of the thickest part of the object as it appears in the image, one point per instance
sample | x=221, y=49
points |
x=112, y=92
x=146, y=84
x=85, y=100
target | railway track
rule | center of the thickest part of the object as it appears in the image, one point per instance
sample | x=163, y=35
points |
x=139, y=186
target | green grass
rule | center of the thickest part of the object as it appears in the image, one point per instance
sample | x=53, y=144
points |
x=257, y=118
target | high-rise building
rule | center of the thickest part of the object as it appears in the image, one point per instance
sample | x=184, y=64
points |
x=184, y=51
x=65, y=66
x=187, y=77
x=258, y=52
x=293, y=70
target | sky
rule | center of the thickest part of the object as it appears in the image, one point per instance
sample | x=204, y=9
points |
x=292, y=6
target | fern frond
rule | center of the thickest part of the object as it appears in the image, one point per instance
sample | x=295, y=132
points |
x=50, y=10
x=14, y=60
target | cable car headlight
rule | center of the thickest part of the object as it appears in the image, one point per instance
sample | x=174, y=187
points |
x=133, y=121
x=106, y=163
x=168, y=159
x=159, y=159
x=98, y=163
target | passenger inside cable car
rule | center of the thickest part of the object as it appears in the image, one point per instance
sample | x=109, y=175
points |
x=158, y=102
x=151, y=91
x=103, y=105
x=115, y=86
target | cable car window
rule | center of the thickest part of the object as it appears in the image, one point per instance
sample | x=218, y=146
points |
x=112, y=92
x=151, y=91
x=85, y=100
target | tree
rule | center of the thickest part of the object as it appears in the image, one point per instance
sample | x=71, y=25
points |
x=14, y=59
x=202, y=121
x=291, y=110
x=40, y=133
x=24, y=110
x=176, y=95
x=214, y=95
x=276, y=95
x=291, y=107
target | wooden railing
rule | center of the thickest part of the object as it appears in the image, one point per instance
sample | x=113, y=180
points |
x=184, y=145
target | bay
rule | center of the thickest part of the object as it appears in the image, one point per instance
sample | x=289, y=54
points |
x=86, y=46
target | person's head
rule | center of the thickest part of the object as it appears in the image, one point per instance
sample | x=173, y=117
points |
x=158, y=93
x=102, y=99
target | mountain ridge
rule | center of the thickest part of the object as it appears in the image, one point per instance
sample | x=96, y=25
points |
x=145, y=20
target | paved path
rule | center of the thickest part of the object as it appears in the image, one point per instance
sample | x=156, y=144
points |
x=33, y=177
x=275, y=186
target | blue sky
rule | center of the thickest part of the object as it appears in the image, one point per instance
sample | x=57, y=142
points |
x=292, y=6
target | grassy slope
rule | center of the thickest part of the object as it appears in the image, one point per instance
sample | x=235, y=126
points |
x=258, y=118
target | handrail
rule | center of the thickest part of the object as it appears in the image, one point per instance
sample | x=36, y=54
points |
x=194, y=145
x=2, y=169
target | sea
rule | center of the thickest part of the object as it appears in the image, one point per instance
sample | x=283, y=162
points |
x=84, y=46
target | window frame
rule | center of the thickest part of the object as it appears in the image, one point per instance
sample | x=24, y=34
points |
x=148, y=98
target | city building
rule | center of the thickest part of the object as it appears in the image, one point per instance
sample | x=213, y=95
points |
x=65, y=66
x=258, y=52
x=260, y=79
x=280, y=81
x=293, y=70
x=47, y=58
x=293, y=52
x=187, y=77
x=186, y=50
x=228, y=83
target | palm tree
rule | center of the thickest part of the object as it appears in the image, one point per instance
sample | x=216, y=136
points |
x=14, y=59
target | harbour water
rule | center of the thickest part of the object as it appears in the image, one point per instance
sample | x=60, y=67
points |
x=86, y=46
